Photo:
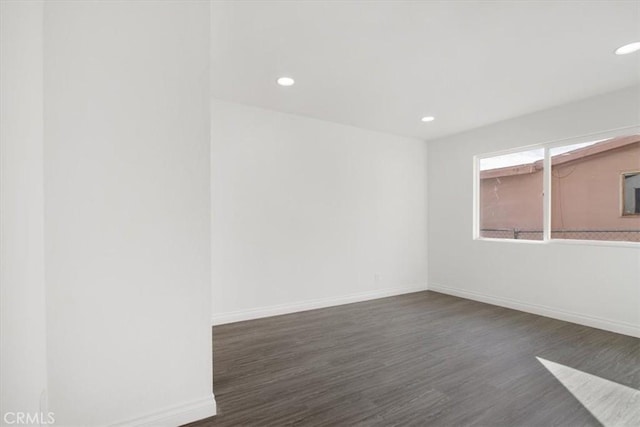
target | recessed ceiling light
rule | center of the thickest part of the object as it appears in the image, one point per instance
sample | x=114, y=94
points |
x=628, y=48
x=286, y=81
x=428, y=119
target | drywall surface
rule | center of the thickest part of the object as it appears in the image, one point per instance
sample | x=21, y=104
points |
x=308, y=213
x=127, y=211
x=595, y=285
x=23, y=329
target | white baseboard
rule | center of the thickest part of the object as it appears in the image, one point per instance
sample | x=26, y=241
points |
x=175, y=415
x=276, y=310
x=568, y=316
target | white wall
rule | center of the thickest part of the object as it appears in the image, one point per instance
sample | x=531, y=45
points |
x=593, y=285
x=22, y=334
x=307, y=212
x=127, y=211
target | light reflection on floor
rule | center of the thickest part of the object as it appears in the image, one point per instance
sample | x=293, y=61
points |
x=610, y=403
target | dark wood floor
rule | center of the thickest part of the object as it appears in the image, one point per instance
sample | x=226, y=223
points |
x=416, y=359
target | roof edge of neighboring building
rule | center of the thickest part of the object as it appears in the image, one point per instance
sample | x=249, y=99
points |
x=570, y=156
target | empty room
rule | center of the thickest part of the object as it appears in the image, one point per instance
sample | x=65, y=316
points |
x=320, y=213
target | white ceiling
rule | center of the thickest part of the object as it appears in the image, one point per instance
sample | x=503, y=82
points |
x=383, y=65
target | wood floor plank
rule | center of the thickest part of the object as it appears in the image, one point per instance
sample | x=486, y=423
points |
x=417, y=359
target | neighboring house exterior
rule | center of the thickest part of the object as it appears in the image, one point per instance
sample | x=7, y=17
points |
x=595, y=195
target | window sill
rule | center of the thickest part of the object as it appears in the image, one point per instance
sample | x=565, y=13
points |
x=494, y=239
x=609, y=243
x=596, y=243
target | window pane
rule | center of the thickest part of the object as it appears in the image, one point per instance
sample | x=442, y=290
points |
x=631, y=193
x=511, y=196
x=593, y=190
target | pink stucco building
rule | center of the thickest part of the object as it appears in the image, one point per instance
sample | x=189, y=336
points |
x=595, y=195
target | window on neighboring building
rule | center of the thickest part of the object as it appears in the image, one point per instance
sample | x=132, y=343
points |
x=631, y=193
x=510, y=196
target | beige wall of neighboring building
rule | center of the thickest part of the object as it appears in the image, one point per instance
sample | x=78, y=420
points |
x=587, y=193
x=513, y=201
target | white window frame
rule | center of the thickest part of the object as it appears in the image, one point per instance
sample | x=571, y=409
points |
x=546, y=188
